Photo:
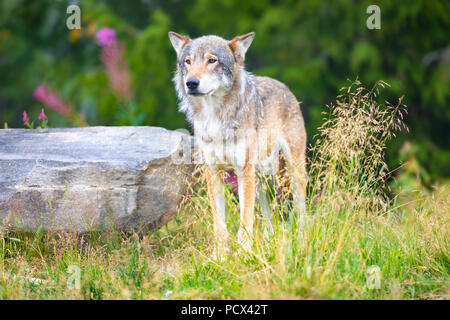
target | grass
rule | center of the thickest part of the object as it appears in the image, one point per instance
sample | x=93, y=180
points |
x=355, y=222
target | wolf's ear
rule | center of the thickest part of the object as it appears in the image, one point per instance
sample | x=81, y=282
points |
x=240, y=44
x=178, y=41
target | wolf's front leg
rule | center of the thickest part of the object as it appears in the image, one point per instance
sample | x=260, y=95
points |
x=216, y=193
x=246, y=181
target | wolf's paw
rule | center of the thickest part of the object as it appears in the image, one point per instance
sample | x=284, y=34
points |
x=244, y=240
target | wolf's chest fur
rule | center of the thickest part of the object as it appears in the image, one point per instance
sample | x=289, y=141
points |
x=208, y=122
x=216, y=135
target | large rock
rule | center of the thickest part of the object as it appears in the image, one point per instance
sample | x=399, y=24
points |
x=94, y=178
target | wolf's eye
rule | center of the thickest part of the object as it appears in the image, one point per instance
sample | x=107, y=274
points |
x=212, y=60
x=187, y=61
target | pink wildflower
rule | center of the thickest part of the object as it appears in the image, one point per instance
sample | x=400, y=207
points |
x=40, y=92
x=42, y=116
x=51, y=99
x=106, y=37
x=113, y=57
x=25, y=118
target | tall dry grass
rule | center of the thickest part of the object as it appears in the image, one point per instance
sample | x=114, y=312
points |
x=347, y=163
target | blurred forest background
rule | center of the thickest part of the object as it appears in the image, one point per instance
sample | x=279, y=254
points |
x=312, y=46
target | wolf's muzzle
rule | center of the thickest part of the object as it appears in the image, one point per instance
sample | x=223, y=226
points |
x=192, y=83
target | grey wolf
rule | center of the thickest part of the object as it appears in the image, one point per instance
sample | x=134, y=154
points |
x=240, y=121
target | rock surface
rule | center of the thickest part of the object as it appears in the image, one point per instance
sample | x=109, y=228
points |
x=88, y=179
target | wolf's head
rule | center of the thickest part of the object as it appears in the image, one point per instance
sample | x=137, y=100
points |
x=208, y=65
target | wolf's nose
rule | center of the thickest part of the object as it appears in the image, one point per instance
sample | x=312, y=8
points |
x=192, y=83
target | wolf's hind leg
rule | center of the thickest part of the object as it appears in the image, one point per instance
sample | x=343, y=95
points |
x=299, y=180
x=263, y=202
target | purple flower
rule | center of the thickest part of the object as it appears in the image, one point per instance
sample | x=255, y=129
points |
x=42, y=116
x=153, y=248
x=25, y=118
x=106, y=37
x=231, y=178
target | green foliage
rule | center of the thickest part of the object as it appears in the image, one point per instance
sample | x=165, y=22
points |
x=312, y=46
